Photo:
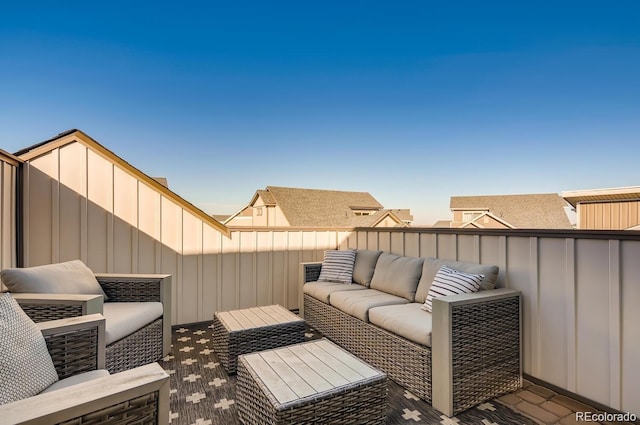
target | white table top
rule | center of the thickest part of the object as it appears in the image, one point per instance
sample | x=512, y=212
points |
x=308, y=369
x=256, y=317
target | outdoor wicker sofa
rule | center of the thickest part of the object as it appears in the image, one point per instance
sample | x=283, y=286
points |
x=137, y=312
x=466, y=351
x=84, y=393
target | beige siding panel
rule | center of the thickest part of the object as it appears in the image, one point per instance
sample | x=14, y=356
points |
x=125, y=222
x=519, y=276
x=229, y=273
x=468, y=248
x=372, y=240
x=412, y=244
x=264, y=269
x=428, y=245
x=293, y=266
x=384, y=241
x=397, y=243
x=169, y=241
x=191, y=306
x=148, y=235
x=8, y=219
x=99, y=213
x=247, y=270
x=630, y=350
x=210, y=282
x=280, y=266
x=72, y=203
x=552, y=307
x=40, y=212
x=447, y=248
x=592, y=297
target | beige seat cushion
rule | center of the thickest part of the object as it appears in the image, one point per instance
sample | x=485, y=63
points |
x=123, y=319
x=80, y=378
x=407, y=320
x=321, y=291
x=432, y=265
x=358, y=303
x=70, y=277
x=397, y=275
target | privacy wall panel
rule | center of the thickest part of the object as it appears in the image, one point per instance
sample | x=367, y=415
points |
x=8, y=196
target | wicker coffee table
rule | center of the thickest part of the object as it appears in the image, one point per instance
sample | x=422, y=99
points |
x=313, y=382
x=253, y=329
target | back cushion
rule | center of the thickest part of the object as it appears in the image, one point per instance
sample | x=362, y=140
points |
x=71, y=277
x=397, y=275
x=432, y=265
x=364, y=266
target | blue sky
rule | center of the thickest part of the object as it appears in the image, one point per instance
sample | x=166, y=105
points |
x=411, y=101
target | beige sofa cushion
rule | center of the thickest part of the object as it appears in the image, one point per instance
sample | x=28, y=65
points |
x=80, y=378
x=397, y=275
x=321, y=291
x=407, y=320
x=70, y=277
x=364, y=266
x=358, y=303
x=123, y=319
x=432, y=265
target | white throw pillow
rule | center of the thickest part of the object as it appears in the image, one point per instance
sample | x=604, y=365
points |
x=451, y=282
x=70, y=277
x=337, y=266
x=26, y=367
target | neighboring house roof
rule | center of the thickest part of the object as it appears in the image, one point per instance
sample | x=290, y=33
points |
x=72, y=136
x=477, y=221
x=630, y=193
x=442, y=223
x=403, y=214
x=529, y=211
x=325, y=208
x=162, y=181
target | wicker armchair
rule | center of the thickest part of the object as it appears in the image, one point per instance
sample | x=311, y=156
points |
x=76, y=345
x=147, y=345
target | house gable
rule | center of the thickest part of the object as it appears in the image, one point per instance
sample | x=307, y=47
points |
x=76, y=136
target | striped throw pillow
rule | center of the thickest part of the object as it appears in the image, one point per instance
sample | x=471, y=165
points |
x=451, y=282
x=337, y=266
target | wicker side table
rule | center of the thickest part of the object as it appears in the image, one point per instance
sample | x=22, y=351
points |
x=253, y=329
x=313, y=382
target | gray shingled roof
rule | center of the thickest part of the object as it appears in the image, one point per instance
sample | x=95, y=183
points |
x=324, y=208
x=534, y=211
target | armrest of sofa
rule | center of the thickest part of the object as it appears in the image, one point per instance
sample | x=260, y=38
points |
x=76, y=344
x=476, y=348
x=141, y=288
x=140, y=394
x=309, y=272
x=44, y=307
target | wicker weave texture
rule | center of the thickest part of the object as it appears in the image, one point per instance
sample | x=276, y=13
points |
x=138, y=349
x=74, y=352
x=485, y=351
x=365, y=403
x=229, y=345
x=405, y=362
x=312, y=272
x=122, y=290
x=139, y=411
x=46, y=312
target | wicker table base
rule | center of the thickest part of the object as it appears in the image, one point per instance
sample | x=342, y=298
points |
x=313, y=382
x=253, y=329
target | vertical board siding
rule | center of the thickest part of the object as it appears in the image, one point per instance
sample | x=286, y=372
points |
x=8, y=195
x=580, y=294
